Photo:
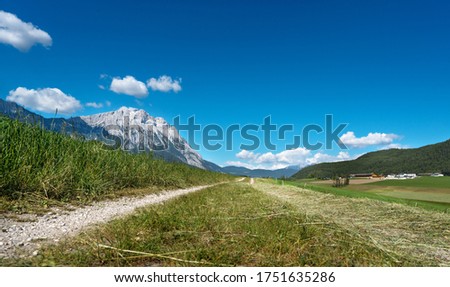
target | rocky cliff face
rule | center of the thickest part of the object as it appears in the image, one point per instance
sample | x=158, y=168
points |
x=136, y=130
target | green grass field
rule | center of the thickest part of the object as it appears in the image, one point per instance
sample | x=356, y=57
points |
x=423, y=181
x=427, y=192
x=431, y=197
x=227, y=225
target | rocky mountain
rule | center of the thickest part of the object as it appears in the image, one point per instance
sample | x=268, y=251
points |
x=135, y=130
x=127, y=128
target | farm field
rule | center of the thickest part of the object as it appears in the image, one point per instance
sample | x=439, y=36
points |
x=427, y=192
x=423, y=181
x=429, y=189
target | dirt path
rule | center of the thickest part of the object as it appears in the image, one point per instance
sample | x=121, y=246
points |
x=25, y=238
x=400, y=230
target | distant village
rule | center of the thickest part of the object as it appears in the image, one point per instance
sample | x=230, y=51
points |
x=394, y=176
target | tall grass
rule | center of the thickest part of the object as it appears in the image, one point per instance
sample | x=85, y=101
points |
x=57, y=166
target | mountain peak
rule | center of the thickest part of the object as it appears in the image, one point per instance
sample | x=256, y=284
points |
x=126, y=109
x=129, y=110
x=163, y=134
x=136, y=115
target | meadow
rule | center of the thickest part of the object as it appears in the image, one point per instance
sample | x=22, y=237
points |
x=431, y=193
x=233, y=224
x=423, y=181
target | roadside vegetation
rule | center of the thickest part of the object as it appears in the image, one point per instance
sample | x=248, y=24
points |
x=39, y=168
x=231, y=224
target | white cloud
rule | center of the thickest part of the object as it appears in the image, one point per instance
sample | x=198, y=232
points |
x=349, y=139
x=267, y=157
x=244, y=154
x=48, y=100
x=271, y=160
x=21, y=35
x=323, y=157
x=164, y=84
x=108, y=103
x=129, y=86
x=300, y=157
x=293, y=156
x=240, y=164
x=94, y=105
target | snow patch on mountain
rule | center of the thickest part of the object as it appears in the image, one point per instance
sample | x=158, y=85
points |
x=140, y=131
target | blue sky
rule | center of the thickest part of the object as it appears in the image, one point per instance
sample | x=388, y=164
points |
x=383, y=67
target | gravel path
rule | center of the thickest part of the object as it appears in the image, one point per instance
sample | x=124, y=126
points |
x=25, y=238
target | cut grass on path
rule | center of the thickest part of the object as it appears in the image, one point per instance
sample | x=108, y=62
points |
x=227, y=225
x=402, y=231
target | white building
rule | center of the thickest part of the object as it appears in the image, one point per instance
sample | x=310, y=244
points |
x=402, y=176
x=437, y=174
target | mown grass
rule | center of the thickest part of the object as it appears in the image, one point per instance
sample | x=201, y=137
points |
x=401, y=230
x=227, y=225
x=39, y=168
x=354, y=193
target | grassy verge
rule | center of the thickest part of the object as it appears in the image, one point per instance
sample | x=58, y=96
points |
x=226, y=225
x=40, y=168
x=437, y=206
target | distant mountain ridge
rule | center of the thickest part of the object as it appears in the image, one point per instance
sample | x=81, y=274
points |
x=278, y=173
x=72, y=125
x=426, y=159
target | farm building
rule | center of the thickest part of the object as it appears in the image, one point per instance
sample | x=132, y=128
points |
x=402, y=176
x=365, y=175
x=437, y=174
